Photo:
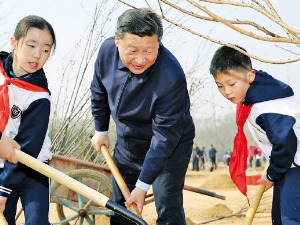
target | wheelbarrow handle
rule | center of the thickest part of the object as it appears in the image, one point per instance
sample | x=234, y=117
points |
x=76, y=186
x=202, y=191
x=119, y=179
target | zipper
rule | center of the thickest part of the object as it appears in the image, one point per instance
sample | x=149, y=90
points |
x=129, y=76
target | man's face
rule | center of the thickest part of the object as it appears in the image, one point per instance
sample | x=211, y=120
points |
x=137, y=53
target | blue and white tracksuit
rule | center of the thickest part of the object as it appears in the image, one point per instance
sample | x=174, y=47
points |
x=274, y=123
x=28, y=125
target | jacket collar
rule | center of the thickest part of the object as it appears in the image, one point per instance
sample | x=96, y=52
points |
x=265, y=88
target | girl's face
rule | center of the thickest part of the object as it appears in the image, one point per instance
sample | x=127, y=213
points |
x=31, y=52
x=234, y=84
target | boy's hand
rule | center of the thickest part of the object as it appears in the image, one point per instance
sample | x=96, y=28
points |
x=264, y=180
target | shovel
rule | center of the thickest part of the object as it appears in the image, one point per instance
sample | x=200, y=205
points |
x=76, y=186
x=202, y=191
x=2, y=219
x=119, y=179
x=255, y=200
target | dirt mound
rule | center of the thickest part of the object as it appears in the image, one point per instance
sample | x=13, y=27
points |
x=220, y=182
x=215, y=211
x=188, y=221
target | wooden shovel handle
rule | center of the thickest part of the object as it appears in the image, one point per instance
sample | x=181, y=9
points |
x=76, y=186
x=119, y=179
x=2, y=219
x=61, y=178
x=255, y=201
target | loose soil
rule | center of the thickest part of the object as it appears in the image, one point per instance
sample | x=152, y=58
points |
x=204, y=209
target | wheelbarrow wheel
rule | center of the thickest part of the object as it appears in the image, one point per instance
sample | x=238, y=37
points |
x=73, y=208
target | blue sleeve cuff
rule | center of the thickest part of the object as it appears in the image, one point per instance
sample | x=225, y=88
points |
x=101, y=132
x=143, y=186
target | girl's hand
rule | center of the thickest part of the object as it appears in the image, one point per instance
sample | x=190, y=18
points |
x=2, y=203
x=7, y=151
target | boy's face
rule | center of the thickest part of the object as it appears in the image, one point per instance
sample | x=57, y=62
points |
x=234, y=84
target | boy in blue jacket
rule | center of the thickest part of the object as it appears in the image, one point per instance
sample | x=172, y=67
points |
x=273, y=116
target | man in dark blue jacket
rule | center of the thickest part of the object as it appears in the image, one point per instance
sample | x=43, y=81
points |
x=141, y=85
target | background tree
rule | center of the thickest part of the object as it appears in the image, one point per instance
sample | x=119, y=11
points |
x=192, y=29
x=71, y=122
x=255, y=19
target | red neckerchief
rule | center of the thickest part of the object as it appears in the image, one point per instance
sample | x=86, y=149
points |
x=4, y=98
x=238, y=160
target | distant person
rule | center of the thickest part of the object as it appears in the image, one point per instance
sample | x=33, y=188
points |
x=141, y=85
x=251, y=155
x=213, y=155
x=254, y=156
x=7, y=146
x=25, y=110
x=195, y=159
x=202, y=159
x=264, y=159
x=273, y=113
x=227, y=157
x=258, y=159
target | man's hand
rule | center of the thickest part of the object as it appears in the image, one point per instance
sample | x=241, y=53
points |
x=265, y=181
x=137, y=196
x=98, y=140
x=2, y=203
x=7, y=151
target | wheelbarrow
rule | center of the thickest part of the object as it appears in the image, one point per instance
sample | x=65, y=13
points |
x=82, y=190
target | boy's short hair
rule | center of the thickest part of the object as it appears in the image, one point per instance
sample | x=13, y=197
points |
x=227, y=58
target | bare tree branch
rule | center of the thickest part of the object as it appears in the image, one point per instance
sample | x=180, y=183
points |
x=194, y=10
x=71, y=120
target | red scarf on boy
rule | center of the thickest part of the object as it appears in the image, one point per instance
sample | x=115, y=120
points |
x=238, y=160
x=4, y=98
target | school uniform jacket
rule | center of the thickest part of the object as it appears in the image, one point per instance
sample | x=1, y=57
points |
x=151, y=110
x=27, y=124
x=274, y=122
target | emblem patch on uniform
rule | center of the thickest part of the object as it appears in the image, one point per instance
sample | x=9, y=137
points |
x=15, y=112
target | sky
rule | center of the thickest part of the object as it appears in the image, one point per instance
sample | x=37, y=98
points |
x=70, y=19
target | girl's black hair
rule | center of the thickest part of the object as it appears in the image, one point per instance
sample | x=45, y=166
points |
x=33, y=21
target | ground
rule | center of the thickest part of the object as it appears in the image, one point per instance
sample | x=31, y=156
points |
x=204, y=209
